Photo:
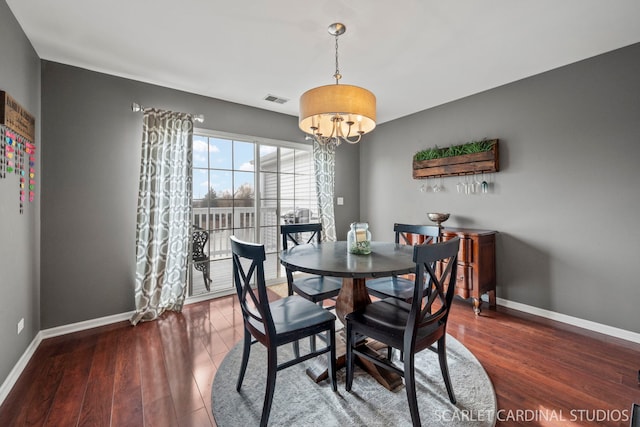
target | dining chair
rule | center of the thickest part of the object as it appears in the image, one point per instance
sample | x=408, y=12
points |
x=276, y=323
x=410, y=327
x=400, y=287
x=312, y=287
x=635, y=412
x=201, y=263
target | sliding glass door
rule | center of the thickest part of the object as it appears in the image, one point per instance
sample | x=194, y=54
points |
x=247, y=188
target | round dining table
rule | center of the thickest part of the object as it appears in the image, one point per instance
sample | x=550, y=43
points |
x=332, y=259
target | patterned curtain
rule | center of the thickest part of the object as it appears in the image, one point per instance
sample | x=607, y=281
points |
x=324, y=161
x=164, y=213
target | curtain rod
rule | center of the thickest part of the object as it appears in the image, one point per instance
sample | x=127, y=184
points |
x=135, y=107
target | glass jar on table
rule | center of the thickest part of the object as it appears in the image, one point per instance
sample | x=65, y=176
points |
x=359, y=239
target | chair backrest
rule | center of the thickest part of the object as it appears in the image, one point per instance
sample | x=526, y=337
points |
x=299, y=234
x=199, y=239
x=431, y=233
x=248, y=267
x=435, y=283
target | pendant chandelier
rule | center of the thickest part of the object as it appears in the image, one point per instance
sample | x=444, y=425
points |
x=335, y=113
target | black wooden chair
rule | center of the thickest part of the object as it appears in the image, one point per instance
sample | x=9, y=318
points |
x=311, y=287
x=399, y=287
x=283, y=321
x=199, y=257
x=411, y=327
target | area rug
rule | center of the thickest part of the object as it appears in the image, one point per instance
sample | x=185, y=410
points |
x=298, y=401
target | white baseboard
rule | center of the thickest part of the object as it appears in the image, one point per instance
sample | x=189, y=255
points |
x=87, y=324
x=13, y=376
x=575, y=321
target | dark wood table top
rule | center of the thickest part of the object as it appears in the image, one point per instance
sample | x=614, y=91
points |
x=332, y=259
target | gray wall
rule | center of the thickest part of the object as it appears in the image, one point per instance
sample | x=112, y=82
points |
x=566, y=201
x=347, y=187
x=90, y=182
x=19, y=234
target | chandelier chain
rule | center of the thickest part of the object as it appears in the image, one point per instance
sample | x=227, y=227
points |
x=337, y=75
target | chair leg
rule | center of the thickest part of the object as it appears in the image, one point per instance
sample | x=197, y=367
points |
x=272, y=368
x=351, y=336
x=332, y=355
x=312, y=338
x=246, y=349
x=410, y=385
x=296, y=348
x=442, y=357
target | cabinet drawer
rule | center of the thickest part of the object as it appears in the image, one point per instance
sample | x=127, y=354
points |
x=464, y=277
x=465, y=253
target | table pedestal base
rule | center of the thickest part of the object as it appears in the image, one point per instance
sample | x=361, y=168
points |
x=318, y=370
x=354, y=296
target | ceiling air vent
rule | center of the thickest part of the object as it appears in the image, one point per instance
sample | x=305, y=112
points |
x=276, y=99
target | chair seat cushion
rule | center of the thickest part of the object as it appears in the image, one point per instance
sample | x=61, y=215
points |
x=395, y=287
x=317, y=288
x=294, y=313
x=387, y=319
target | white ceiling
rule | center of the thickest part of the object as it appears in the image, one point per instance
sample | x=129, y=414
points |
x=413, y=54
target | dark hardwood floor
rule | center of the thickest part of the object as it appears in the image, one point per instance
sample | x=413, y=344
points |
x=159, y=373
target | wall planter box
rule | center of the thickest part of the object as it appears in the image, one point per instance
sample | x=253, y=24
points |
x=486, y=161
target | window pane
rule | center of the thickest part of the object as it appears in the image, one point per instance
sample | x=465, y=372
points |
x=221, y=190
x=303, y=186
x=312, y=206
x=246, y=234
x=268, y=185
x=286, y=186
x=287, y=211
x=286, y=160
x=268, y=212
x=268, y=158
x=200, y=151
x=269, y=238
x=220, y=153
x=244, y=214
x=220, y=218
x=219, y=244
x=200, y=183
x=243, y=158
x=303, y=163
x=243, y=187
x=272, y=267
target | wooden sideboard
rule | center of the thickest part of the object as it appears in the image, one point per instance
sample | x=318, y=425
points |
x=476, y=273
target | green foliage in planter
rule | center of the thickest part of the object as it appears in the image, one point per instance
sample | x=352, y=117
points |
x=454, y=150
